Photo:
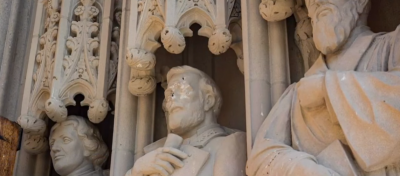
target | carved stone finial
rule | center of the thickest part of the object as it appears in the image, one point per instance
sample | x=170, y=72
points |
x=139, y=59
x=32, y=125
x=173, y=40
x=36, y=144
x=140, y=86
x=98, y=110
x=220, y=41
x=56, y=110
x=276, y=10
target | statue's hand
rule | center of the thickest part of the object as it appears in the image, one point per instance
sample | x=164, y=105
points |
x=310, y=91
x=162, y=161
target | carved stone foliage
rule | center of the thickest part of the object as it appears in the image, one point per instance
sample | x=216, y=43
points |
x=82, y=61
x=171, y=20
x=69, y=65
x=235, y=27
x=304, y=36
x=80, y=66
x=114, y=51
x=33, y=122
x=276, y=10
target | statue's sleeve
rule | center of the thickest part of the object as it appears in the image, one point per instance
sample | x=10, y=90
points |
x=272, y=155
x=367, y=106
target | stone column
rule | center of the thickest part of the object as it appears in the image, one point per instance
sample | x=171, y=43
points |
x=144, y=127
x=279, y=57
x=16, y=21
x=5, y=10
x=17, y=24
x=256, y=68
x=123, y=152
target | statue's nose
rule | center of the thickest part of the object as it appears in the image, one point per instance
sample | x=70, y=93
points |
x=55, y=148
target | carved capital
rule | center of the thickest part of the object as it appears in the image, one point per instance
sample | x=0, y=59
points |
x=143, y=85
x=98, y=110
x=139, y=59
x=36, y=144
x=56, y=110
x=276, y=10
x=220, y=41
x=173, y=40
x=34, y=128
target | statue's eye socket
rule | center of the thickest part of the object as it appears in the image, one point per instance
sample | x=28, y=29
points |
x=67, y=140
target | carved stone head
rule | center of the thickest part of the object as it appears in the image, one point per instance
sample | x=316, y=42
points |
x=334, y=20
x=76, y=147
x=190, y=95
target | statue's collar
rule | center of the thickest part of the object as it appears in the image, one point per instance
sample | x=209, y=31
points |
x=204, y=135
x=352, y=56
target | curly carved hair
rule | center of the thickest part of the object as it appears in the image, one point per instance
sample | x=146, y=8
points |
x=90, y=136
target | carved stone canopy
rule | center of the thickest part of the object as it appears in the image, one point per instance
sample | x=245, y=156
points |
x=72, y=57
x=171, y=20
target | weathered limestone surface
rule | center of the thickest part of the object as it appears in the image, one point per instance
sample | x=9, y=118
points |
x=256, y=68
x=5, y=10
x=16, y=21
x=77, y=148
x=197, y=144
x=342, y=118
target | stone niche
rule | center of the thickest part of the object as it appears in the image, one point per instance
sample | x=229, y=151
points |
x=105, y=127
x=222, y=69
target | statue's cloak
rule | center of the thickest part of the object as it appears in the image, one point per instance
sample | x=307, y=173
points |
x=362, y=110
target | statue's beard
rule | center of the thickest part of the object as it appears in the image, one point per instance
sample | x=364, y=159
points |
x=332, y=31
x=189, y=123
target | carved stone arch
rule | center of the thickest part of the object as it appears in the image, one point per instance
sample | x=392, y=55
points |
x=72, y=89
x=38, y=103
x=67, y=62
x=149, y=34
x=175, y=17
x=42, y=61
x=199, y=16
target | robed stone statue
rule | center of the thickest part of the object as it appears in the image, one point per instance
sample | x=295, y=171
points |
x=343, y=117
x=196, y=145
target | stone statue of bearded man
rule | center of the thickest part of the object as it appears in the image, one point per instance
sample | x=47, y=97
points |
x=197, y=145
x=77, y=148
x=343, y=117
